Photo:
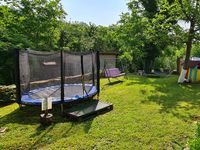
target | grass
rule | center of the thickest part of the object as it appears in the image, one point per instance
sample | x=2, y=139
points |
x=149, y=113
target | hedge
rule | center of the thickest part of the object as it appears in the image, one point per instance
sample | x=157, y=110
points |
x=7, y=93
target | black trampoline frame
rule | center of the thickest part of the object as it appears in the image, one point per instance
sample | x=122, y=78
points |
x=18, y=83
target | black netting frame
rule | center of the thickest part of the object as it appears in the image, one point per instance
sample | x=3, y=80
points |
x=95, y=60
x=18, y=87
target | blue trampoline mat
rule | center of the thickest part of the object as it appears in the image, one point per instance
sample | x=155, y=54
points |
x=72, y=92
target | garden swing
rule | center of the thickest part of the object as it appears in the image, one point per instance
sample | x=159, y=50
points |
x=113, y=68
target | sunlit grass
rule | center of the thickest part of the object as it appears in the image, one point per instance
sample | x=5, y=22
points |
x=148, y=113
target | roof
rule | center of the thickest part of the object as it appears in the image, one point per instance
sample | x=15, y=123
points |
x=108, y=53
x=193, y=63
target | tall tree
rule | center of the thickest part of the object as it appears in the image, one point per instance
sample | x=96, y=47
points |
x=143, y=33
x=27, y=24
x=86, y=37
x=39, y=21
x=190, y=12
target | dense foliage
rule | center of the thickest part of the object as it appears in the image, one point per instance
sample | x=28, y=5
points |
x=148, y=36
x=7, y=93
x=80, y=36
x=27, y=24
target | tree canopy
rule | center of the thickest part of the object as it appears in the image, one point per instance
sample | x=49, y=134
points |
x=148, y=36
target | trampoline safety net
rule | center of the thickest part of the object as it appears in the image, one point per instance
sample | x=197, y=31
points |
x=40, y=76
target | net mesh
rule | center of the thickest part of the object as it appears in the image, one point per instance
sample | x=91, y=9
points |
x=73, y=73
x=108, y=61
x=39, y=70
x=40, y=74
x=89, y=75
x=72, y=68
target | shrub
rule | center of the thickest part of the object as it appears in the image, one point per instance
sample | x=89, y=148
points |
x=7, y=93
x=165, y=63
x=196, y=50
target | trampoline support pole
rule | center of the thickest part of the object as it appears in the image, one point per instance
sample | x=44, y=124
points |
x=93, y=78
x=18, y=88
x=82, y=74
x=98, y=73
x=82, y=77
x=62, y=80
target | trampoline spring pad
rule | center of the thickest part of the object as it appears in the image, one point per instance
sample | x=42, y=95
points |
x=73, y=92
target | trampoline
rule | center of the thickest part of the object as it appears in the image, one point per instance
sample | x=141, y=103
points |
x=72, y=92
x=64, y=77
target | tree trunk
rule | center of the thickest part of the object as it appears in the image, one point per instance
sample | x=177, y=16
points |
x=178, y=63
x=189, y=46
x=148, y=66
x=188, y=52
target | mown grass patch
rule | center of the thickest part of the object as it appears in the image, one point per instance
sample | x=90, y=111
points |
x=149, y=113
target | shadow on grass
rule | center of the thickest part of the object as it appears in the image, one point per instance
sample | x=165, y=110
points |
x=30, y=115
x=5, y=103
x=142, y=80
x=41, y=133
x=177, y=99
x=26, y=115
x=114, y=83
x=88, y=125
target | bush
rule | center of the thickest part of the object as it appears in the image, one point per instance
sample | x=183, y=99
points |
x=165, y=63
x=7, y=93
x=195, y=50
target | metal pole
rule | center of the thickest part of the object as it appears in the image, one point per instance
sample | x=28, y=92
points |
x=18, y=87
x=93, y=78
x=82, y=76
x=62, y=79
x=98, y=73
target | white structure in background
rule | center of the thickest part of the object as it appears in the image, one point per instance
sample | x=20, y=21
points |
x=182, y=78
x=195, y=59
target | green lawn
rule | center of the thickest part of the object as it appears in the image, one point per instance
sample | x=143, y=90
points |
x=149, y=113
